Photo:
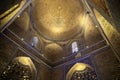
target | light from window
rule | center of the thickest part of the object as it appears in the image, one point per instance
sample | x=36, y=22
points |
x=35, y=41
x=74, y=47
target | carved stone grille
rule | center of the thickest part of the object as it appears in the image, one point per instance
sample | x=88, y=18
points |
x=16, y=71
x=84, y=75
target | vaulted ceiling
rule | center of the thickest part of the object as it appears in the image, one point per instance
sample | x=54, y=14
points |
x=57, y=24
x=58, y=19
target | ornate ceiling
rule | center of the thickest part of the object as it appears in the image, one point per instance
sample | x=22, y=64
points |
x=56, y=24
x=58, y=19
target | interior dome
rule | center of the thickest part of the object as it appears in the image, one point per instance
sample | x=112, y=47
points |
x=58, y=19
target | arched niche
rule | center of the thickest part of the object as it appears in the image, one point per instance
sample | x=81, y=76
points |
x=20, y=68
x=81, y=67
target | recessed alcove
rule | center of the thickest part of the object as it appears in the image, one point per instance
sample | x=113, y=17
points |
x=19, y=68
x=81, y=71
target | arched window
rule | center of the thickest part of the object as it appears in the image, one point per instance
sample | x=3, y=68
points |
x=74, y=47
x=35, y=41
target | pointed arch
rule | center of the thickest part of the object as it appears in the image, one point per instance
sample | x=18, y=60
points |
x=77, y=67
x=20, y=68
